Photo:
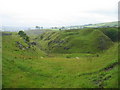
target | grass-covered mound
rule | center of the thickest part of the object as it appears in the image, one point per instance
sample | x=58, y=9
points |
x=21, y=71
x=74, y=41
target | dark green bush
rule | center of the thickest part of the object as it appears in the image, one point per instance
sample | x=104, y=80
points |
x=24, y=36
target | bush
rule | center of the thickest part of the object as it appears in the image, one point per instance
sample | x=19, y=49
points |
x=24, y=36
x=21, y=33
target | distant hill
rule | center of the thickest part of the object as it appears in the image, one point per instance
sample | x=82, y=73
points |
x=98, y=25
x=13, y=28
x=108, y=24
x=35, y=32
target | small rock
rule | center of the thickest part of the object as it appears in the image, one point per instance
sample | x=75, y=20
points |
x=23, y=48
x=77, y=57
x=41, y=57
x=66, y=48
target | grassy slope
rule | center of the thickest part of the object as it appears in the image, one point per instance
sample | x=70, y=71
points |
x=78, y=41
x=10, y=48
x=29, y=69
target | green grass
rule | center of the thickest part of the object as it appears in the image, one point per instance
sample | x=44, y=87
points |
x=33, y=68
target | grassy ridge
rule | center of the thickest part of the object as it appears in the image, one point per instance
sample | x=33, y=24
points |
x=74, y=41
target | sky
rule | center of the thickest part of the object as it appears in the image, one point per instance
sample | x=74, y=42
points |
x=48, y=13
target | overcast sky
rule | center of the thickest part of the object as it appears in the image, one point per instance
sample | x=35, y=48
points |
x=49, y=13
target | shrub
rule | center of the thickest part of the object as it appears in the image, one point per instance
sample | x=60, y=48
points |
x=24, y=36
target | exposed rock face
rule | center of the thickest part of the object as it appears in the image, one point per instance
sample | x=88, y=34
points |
x=66, y=48
x=32, y=43
x=20, y=45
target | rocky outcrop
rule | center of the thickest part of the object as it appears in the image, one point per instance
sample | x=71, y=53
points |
x=22, y=47
x=32, y=43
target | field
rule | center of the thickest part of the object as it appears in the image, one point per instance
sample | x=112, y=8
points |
x=73, y=59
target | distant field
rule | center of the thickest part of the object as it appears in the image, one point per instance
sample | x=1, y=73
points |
x=110, y=24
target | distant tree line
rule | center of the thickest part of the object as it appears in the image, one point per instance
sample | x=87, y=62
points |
x=38, y=27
